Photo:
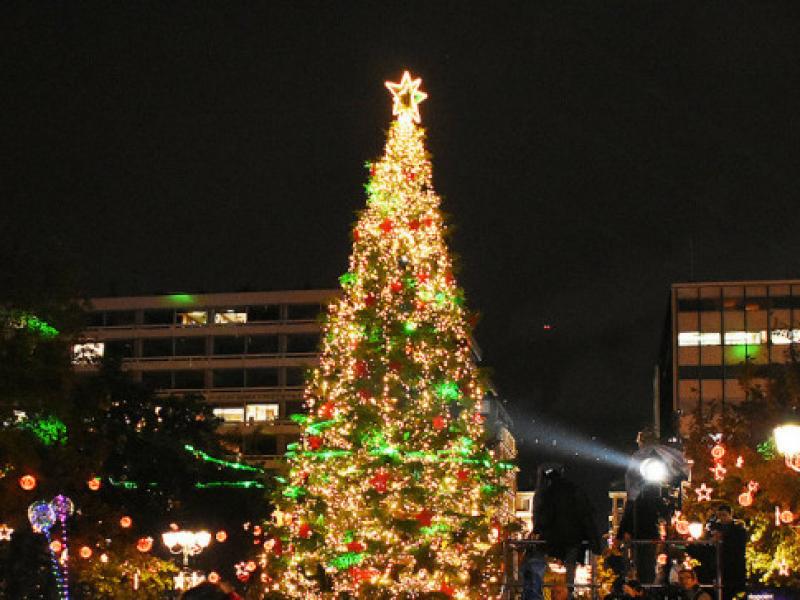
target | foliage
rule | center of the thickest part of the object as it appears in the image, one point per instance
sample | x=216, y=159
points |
x=130, y=575
x=750, y=459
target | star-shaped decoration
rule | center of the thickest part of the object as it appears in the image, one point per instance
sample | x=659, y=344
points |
x=407, y=96
x=5, y=533
x=703, y=493
x=718, y=471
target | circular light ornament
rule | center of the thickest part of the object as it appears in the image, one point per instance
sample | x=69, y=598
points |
x=787, y=517
x=653, y=470
x=93, y=484
x=125, y=522
x=213, y=577
x=221, y=536
x=56, y=547
x=27, y=482
x=717, y=452
x=144, y=544
x=746, y=499
x=41, y=516
x=682, y=526
x=85, y=552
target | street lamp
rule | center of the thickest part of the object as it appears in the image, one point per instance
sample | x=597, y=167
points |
x=188, y=543
x=653, y=470
x=787, y=439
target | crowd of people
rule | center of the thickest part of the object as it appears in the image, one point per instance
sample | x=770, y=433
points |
x=565, y=529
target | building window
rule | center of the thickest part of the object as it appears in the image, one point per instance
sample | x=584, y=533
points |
x=119, y=348
x=295, y=376
x=263, y=313
x=262, y=344
x=263, y=445
x=190, y=346
x=157, y=347
x=157, y=380
x=302, y=344
x=120, y=318
x=294, y=407
x=304, y=312
x=87, y=353
x=95, y=319
x=227, y=317
x=158, y=317
x=262, y=412
x=189, y=380
x=191, y=318
x=262, y=377
x=228, y=344
x=228, y=378
x=230, y=414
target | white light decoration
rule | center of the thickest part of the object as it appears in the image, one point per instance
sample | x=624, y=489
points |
x=787, y=440
x=187, y=543
x=653, y=470
x=696, y=530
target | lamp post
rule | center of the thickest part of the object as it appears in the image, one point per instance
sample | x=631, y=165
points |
x=787, y=440
x=188, y=543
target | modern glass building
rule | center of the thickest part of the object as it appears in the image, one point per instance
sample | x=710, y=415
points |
x=715, y=328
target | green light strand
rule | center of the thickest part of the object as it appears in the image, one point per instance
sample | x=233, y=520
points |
x=218, y=461
x=49, y=430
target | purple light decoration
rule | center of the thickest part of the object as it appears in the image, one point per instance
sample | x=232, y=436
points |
x=63, y=508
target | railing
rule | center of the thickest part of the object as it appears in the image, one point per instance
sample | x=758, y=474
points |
x=182, y=327
x=513, y=551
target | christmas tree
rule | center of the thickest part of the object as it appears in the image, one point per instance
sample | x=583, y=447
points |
x=391, y=492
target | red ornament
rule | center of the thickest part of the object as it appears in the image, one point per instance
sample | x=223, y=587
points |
x=463, y=475
x=326, y=411
x=27, y=482
x=427, y=221
x=356, y=235
x=278, y=547
x=361, y=368
x=304, y=531
x=314, y=441
x=144, y=544
x=424, y=517
x=380, y=481
x=396, y=286
x=439, y=422
x=395, y=366
x=221, y=536
x=372, y=170
x=449, y=279
x=446, y=589
x=413, y=224
x=365, y=394
x=386, y=226
x=370, y=299
x=423, y=277
x=355, y=547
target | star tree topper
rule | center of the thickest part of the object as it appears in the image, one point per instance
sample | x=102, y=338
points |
x=407, y=97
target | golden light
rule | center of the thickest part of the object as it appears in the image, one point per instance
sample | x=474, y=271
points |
x=94, y=484
x=406, y=97
x=221, y=536
x=745, y=499
x=27, y=482
x=85, y=552
x=213, y=577
x=104, y=558
x=125, y=522
x=56, y=547
x=787, y=517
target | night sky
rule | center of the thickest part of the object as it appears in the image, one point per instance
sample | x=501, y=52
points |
x=588, y=154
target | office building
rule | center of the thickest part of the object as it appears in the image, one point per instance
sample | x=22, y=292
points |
x=245, y=353
x=713, y=330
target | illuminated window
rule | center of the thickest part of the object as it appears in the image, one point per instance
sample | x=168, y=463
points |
x=87, y=353
x=734, y=338
x=262, y=412
x=230, y=414
x=695, y=338
x=783, y=337
x=229, y=316
x=193, y=317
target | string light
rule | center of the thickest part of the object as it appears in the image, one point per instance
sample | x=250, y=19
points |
x=388, y=484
